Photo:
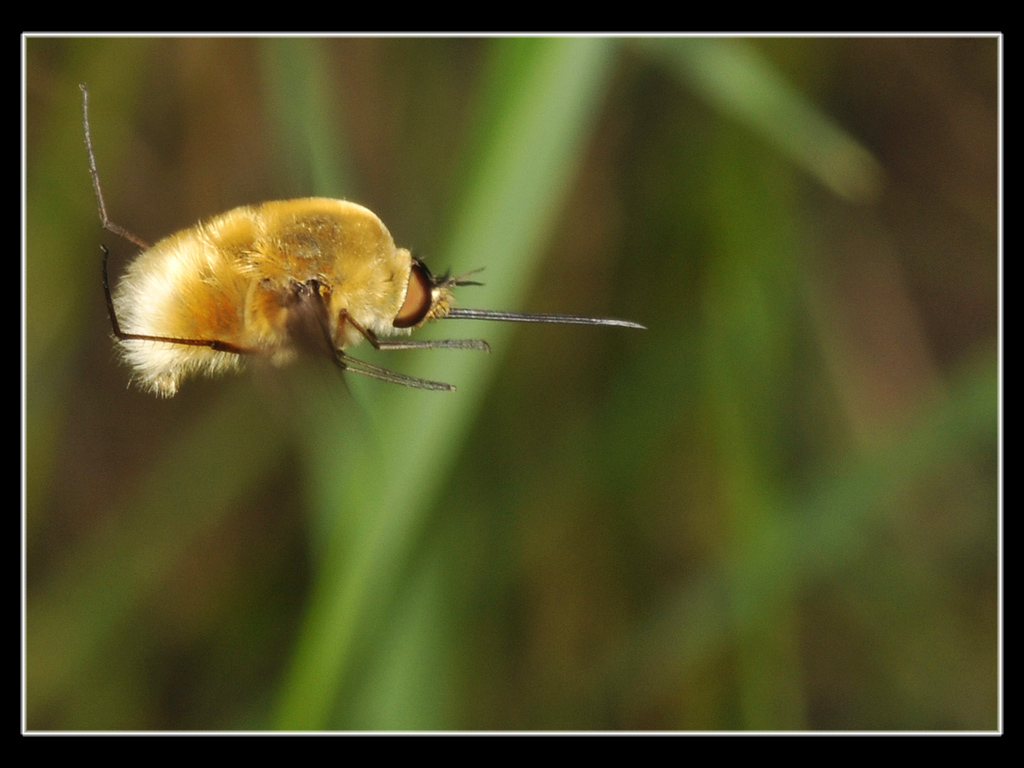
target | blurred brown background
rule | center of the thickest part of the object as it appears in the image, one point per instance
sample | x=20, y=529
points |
x=775, y=509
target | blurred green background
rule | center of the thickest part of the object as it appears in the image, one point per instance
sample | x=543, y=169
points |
x=775, y=509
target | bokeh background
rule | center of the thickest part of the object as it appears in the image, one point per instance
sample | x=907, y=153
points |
x=775, y=509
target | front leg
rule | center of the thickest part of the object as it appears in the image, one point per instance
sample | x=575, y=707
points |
x=379, y=343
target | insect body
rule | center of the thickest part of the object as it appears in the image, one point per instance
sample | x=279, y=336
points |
x=273, y=280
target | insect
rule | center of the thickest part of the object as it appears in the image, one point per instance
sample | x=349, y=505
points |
x=276, y=279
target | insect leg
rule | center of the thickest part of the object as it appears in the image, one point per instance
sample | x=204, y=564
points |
x=310, y=294
x=104, y=220
x=214, y=344
x=347, y=363
x=379, y=343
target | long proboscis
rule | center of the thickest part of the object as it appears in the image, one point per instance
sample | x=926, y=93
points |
x=459, y=313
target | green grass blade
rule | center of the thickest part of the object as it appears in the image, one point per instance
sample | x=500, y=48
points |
x=374, y=497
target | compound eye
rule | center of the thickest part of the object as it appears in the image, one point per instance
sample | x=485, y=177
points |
x=418, y=298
